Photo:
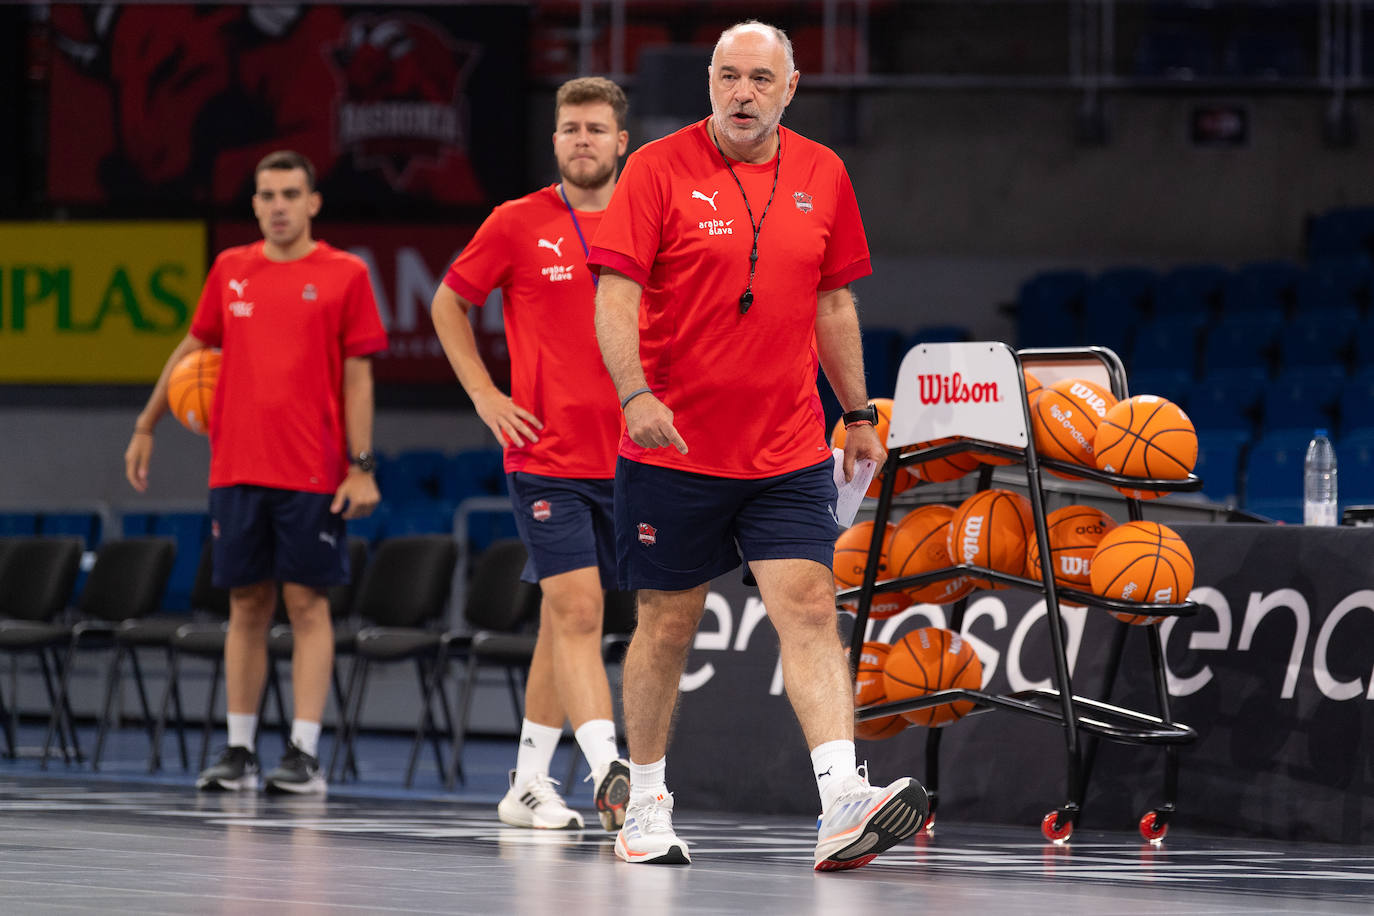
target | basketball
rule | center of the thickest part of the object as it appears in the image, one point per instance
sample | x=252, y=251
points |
x=1032, y=384
x=990, y=529
x=1146, y=436
x=851, y=555
x=1142, y=561
x=925, y=661
x=1065, y=417
x=883, y=605
x=1074, y=532
x=920, y=544
x=191, y=388
x=837, y=440
x=868, y=689
x=940, y=470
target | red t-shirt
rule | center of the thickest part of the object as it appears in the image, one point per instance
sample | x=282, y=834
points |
x=742, y=388
x=285, y=328
x=529, y=247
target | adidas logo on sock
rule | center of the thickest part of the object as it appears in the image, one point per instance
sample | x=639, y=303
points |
x=527, y=742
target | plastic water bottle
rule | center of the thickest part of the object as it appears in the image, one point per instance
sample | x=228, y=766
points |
x=1319, y=482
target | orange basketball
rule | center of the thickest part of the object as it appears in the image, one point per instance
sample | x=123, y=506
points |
x=1033, y=384
x=868, y=689
x=1075, y=532
x=1146, y=436
x=851, y=555
x=191, y=388
x=1065, y=417
x=1142, y=561
x=883, y=605
x=837, y=440
x=990, y=529
x=940, y=470
x=925, y=661
x=920, y=544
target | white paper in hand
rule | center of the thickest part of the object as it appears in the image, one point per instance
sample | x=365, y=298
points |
x=851, y=492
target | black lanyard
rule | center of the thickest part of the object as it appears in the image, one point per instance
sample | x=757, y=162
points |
x=586, y=252
x=746, y=299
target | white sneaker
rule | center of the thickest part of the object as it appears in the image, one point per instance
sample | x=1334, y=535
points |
x=537, y=804
x=648, y=833
x=864, y=821
x=611, y=786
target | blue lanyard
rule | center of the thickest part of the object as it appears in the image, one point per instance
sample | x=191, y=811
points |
x=586, y=252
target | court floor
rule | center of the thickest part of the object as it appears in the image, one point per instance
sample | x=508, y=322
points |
x=122, y=841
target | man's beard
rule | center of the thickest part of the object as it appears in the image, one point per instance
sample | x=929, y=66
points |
x=596, y=180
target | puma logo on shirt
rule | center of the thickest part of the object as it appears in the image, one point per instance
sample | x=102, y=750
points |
x=697, y=195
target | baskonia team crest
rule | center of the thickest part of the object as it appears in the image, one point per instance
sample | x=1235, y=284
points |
x=802, y=200
x=540, y=509
x=648, y=534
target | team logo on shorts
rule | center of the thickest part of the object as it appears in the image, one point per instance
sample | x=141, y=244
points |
x=802, y=200
x=541, y=510
x=648, y=534
x=214, y=528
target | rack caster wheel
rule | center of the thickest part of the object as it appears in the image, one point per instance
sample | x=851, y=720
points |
x=1153, y=827
x=1057, y=827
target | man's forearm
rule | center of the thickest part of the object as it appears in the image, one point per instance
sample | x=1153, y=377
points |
x=617, y=331
x=357, y=394
x=840, y=347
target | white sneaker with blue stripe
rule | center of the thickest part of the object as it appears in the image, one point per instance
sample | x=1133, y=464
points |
x=648, y=832
x=864, y=821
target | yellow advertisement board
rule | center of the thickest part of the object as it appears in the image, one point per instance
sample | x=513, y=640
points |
x=96, y=302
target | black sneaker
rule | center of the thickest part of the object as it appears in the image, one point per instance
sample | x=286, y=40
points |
x=234, y=771
x=298, y=773
x=611, y=793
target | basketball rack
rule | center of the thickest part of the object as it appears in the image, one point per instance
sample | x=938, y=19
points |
x=1077, y=715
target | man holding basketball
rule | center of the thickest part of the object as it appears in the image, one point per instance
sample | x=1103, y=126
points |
x=290, y=454
x=559, y=427
x=725, y=260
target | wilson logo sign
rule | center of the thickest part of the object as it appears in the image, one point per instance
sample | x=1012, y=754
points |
x=952, y=389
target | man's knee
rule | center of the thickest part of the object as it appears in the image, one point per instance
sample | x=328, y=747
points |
x=305, y=607
x=575, y=614
x=251, y=606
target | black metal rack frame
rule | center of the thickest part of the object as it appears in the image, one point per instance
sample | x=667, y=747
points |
x=1098, y=719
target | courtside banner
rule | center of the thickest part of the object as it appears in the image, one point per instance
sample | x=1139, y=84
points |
x=98, y=302
x=407, y=263
x=1275, y=673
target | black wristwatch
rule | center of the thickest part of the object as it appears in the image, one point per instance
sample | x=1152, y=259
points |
x=364, y=461
x=869, y=413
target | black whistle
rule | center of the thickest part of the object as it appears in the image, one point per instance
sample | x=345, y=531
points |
x=746, y=300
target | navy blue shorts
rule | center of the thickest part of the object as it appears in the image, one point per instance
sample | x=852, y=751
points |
x=566, y=524
x=264, y=533
x=676, y=530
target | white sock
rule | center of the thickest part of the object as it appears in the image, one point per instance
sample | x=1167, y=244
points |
x=242, y=727
x=537, y=744
x=596, y=737
x=306, y=736
x=833, y=764
x=649, y=778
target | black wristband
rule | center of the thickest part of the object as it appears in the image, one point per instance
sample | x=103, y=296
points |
x=863, y=414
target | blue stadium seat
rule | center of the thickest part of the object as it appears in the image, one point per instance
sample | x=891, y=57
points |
x=372, y=528
x=1174, y=384
x=487, y=526
x=1218, y=464
x=1302, y=399
x=189, y=529
x=412, y=476
x=85, y=525
x=18, y=524
x=1318, y=339
x=1343, y=232
x=475, y=472
x=1355, y=468
x=1167, y=343
x=1191, y=289
x=1356, y=405
x=1261, y=286
x=1109, y=320
x=882, y=351
x=1135, y=284
x=1273, y=473
x=1240, y=342
x=425, y=517
x=1049, y=307
x=1335, y=283
x=1226, y=399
